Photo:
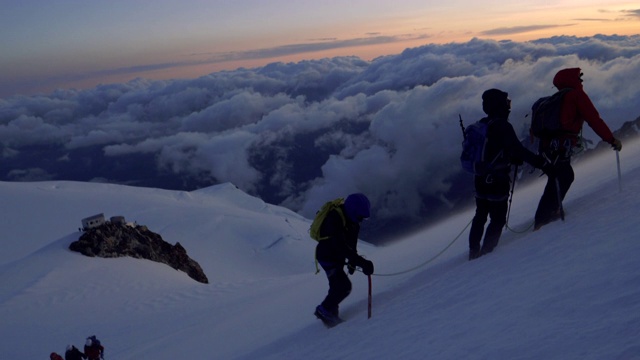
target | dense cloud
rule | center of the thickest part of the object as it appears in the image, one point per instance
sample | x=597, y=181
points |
x=298, y=134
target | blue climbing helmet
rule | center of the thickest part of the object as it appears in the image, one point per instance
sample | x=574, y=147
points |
x=357, y=207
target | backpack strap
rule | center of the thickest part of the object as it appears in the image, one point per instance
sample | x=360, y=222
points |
x=501, y=152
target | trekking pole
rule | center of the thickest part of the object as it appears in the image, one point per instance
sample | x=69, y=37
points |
x=369, y=302
x=559, y=199
x=513, y=185
x=619, y=175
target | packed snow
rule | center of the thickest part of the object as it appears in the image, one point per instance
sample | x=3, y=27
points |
x=568, y=291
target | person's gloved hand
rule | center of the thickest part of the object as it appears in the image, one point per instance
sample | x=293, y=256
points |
x=351, y=269
x=549, y=169
x=616, y=144
x=367, y=267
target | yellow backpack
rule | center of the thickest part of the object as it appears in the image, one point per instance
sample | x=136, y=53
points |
x=314, y=230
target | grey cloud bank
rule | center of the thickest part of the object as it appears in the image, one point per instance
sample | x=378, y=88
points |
x=297, y=134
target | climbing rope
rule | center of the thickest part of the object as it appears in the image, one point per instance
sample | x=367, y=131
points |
x=429, y=260
x=520, y=231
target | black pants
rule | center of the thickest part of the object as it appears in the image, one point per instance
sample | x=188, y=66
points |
x=549, y=204
x=339, y=286
x=497, y=210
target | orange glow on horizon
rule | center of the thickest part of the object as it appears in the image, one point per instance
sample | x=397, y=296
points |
x=367, y=53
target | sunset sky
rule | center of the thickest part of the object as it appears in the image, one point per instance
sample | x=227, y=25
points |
x=64, y=44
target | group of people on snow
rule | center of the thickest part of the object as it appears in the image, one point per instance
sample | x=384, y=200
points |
x=554, y=158
x=340, y=228
x=93, y=350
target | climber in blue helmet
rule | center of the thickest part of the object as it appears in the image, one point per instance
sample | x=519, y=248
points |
x=338, y=247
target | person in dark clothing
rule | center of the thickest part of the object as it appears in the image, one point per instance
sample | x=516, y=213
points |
x=73, y=353
x=492, y=189
x=557, y=148
x=341, y=228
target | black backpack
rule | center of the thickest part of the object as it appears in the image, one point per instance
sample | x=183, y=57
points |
x=546, y=114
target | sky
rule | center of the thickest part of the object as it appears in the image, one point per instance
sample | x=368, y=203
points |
x=78, y=44
x=567, y=291
x=295, y=134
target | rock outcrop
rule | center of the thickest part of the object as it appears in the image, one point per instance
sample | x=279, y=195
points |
x=116, y=240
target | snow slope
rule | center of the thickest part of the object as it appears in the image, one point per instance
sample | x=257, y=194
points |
x=568, y=291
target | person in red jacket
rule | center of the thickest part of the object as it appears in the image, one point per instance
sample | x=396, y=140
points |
x=577, y=109
x=93, y=349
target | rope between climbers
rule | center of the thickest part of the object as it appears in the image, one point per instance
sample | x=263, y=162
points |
x=430, y=260
x=526, y=229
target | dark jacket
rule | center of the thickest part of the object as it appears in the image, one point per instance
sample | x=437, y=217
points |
x=578, y=108
x=502, y=137
x=342, y=240
x=504, y=146
x=74, y=354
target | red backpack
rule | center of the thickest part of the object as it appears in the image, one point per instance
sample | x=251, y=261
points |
x=55, y=356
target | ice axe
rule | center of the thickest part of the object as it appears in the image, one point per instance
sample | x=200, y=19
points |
x=619, y=175
x=560, y=207
x=369, y=302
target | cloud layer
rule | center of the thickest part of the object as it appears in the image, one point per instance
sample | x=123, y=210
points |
x=297, y=134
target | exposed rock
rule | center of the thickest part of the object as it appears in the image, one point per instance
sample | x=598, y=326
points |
x=116, y=240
